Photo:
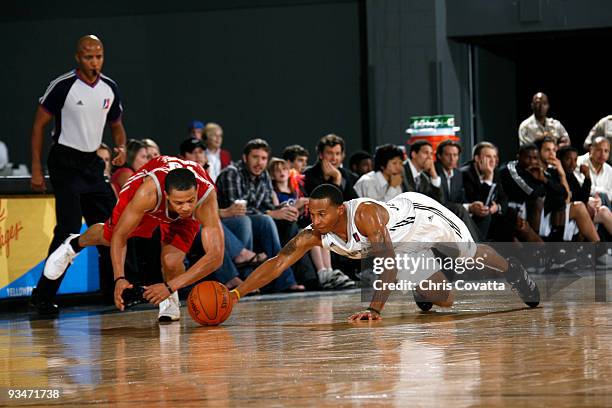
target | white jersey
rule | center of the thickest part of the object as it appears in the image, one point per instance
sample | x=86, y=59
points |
x=413, y=218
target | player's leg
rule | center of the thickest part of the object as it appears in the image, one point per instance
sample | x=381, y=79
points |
x=513, y=271
x=434, y=291
x=172, y=261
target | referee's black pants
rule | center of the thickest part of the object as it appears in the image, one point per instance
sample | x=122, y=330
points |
x=81, y=190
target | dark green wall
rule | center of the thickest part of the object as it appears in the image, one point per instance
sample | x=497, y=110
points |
x=289, y=73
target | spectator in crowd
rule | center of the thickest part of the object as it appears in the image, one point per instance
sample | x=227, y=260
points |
x=196, y=129
x=538, y=125
x=328, y=168
x=153, y=150
x=600, y=171
x=249, y=181
x=602, y=128
x=297, y=157
x=488, y=200
x=420, y=172
x=360, y=163
x=4, y=157
x=136, y=158
x=385, y=181
x=453, y=194
x=573, y=210
x=105, y=153
x=579, y=180
x=218, y=158
x=287, y=191
x=194, y=149
x=75, y=170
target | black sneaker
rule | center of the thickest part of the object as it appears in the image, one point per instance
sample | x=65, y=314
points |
x=521, y=283
x=43, y=306
x=420, y=301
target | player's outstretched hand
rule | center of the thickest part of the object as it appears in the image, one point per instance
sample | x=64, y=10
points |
x=156, y=294
x=120, y=286
x=368, y=315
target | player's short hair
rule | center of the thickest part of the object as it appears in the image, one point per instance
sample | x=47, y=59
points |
x=330, y=140
x=418, y=145
x=527, y=148
x=565, y=150
x=599, y=140
x=255, y=144
x=290, y=153
x=329, y=191
x=180, y=179
x=445, y=144
x=384, y=153
x=481, y=146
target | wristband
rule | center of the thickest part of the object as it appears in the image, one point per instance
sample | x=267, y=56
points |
x=371, y=309
x=236, y=292
x=169, y=288
x=119, y=278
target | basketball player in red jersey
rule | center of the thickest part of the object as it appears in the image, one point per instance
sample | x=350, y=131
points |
x=176, y=195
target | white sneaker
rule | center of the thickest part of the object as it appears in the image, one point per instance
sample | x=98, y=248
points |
x=335, y=279
x=60, y=259
x=170, y=309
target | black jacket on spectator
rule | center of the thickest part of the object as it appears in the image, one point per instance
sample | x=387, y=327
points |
x=579, y=193
x=425, y=186
x=456, y=193
x=499, y=226
x=313, y=176
x=519, y=185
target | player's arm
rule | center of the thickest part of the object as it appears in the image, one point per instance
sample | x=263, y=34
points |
x=119, y=138
x=212, y=241
x=144, y=200
x=41, y=119
x=273, y=267
x=371, y=220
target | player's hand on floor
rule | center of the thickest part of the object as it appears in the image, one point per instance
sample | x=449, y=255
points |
x=120, y=286
x=368, y=315
x=156, y=294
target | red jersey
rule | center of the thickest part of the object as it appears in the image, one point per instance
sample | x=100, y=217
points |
x=177, y=231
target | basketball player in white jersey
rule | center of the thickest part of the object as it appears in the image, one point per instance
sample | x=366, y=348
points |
x=364, y=227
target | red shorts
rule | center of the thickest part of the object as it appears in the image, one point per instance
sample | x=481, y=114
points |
x=179, y=234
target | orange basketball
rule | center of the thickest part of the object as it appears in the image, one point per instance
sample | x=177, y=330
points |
x=209, y=303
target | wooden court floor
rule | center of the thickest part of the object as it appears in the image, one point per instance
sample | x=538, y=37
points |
x=299, y=351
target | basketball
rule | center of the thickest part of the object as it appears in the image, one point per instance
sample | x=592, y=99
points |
x=209, y=303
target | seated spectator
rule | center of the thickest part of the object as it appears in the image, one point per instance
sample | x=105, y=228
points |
x=196, y=129
x=538, y=125
x=580, y=186
x=153, y=150
x=248, y=180
x=360, y=163
x=600, y=171
x=194, y=149
x=572, y=210
x=603, y=128
x=136, y=157
x=420, y=172
x=453, y=194
x=297, y=157
x=105, y=153
x=385, y=181
x=4, y=157
x=218, y=158
x=328, y=168
x=488, y=200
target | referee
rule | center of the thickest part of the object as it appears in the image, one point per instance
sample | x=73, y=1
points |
x=81, y=102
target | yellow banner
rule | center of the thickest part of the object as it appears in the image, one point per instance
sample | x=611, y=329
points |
x=26, y=230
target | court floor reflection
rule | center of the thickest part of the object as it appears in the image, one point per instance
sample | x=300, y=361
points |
x=486, y=351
